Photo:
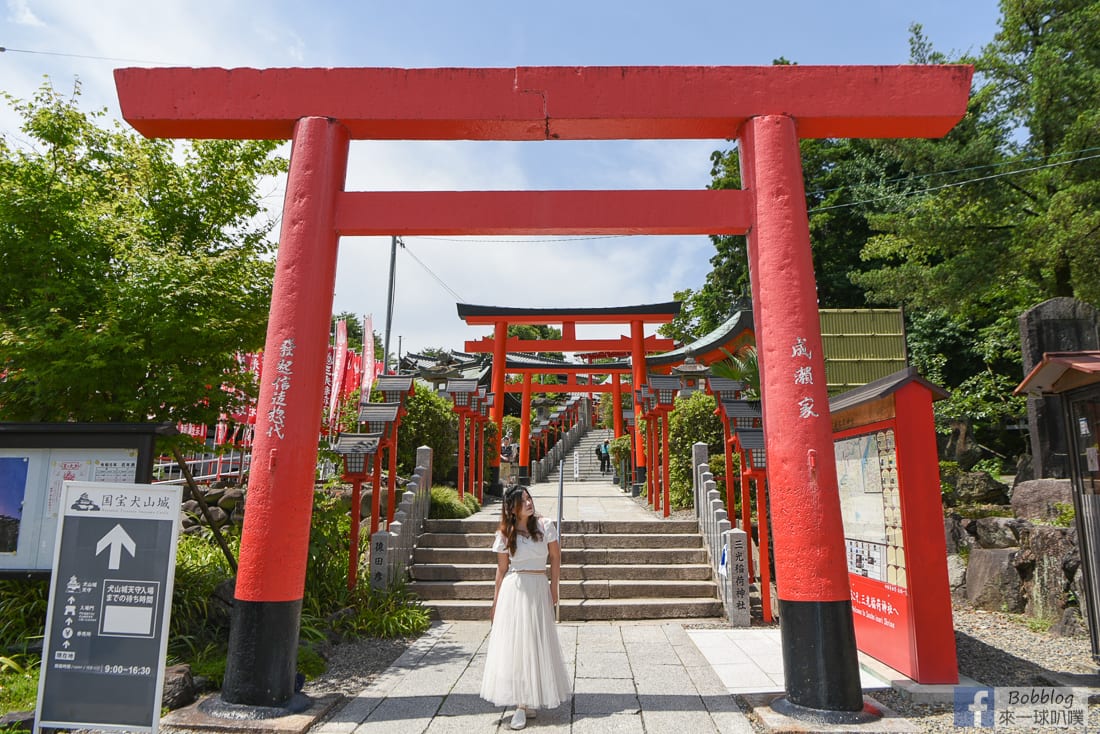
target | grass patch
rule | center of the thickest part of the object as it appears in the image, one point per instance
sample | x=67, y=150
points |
x=18, y=686
x=1039, y=625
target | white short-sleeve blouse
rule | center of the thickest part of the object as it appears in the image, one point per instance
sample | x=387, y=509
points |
x=530, y=554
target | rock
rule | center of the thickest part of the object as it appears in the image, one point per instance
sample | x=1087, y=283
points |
x=218, y=516
x=1036, y=499
x=190, y=507
x=955, y=533
x=1025, y=470
x=17, y=721
x=978, y=488
x=231, y=499
x=212, y=495
x=1045, y=552
x=998, y=532
x=956, y=576
x=1070, y=625
x=992, y=582
x=179, y=689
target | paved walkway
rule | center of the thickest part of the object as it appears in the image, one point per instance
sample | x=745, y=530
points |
x=629, y=677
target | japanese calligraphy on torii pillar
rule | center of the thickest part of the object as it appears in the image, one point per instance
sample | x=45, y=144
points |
x=803, y=375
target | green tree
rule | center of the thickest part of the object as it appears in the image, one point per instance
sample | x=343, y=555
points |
x=693, y=420
x=131, y=270
x=429, y=421
x=1012, y=216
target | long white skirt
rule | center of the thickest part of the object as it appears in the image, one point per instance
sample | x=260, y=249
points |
x=523, y=663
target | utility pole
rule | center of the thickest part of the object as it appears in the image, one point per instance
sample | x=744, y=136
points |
x=389, y=306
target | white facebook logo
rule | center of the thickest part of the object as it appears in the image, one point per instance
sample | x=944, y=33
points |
x=979, y=706
x=974, y=706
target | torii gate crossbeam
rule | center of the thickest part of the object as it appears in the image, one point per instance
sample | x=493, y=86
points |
x=768, y=109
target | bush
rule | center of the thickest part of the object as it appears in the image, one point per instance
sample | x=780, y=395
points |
x=693, y=420
x=471, y=503
x=1066, y=515
x=447, y=506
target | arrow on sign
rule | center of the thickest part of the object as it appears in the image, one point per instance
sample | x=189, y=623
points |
x=116, y=539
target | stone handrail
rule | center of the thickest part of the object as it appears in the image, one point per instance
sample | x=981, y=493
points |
x=391, y=550
x=726, y=545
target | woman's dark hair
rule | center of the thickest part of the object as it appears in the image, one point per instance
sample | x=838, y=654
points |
x=508, y=518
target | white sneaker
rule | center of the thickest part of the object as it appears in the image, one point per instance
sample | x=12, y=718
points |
x=519, y=719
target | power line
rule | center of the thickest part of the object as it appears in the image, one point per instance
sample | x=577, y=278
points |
x=952, y=184
x=85, y=56
x=458, y=298
x=918, y=176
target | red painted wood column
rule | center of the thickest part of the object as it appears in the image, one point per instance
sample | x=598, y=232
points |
x=524, y=470
x=665, y=468
x=637, y=365
x=500, y=373
x=461, y=453
x=821, y=669
x=263, y=640
x=617, y=403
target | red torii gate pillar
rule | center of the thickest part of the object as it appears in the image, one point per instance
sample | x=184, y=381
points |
x=272, y=567
x=815, y=615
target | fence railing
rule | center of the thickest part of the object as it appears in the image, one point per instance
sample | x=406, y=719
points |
x=391, y=550
x=204, y=468
x=726, y=545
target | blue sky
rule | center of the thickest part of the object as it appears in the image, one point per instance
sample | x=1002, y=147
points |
x=432, y=273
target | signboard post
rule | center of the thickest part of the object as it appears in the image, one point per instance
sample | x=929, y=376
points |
x=110, y=599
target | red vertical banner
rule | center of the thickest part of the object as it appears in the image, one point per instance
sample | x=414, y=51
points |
x=368, y=373
x=352, y=374
x=326, y=396
x=338, y=363
x=221, y=431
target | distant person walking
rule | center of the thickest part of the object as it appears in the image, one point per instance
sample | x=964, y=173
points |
x=604, y=452
x=523, y=663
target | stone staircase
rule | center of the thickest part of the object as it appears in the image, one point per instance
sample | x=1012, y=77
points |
x=588, y=463
x=611, y=570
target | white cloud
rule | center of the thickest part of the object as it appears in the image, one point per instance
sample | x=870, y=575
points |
x=20, y=13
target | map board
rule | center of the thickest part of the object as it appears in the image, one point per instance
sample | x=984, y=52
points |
x=870, y=504
x=30, y=496
x=110, y=598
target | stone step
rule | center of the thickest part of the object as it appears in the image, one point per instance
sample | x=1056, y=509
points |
x=569, y=555
x=571, y=527
x=633, y=572
x=592, y=540
x=572, y=589
x=590, y=609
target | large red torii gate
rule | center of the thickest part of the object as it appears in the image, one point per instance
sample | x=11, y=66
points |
x=767, y=109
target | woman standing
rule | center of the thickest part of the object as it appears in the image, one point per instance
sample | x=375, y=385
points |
x=523, y=664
